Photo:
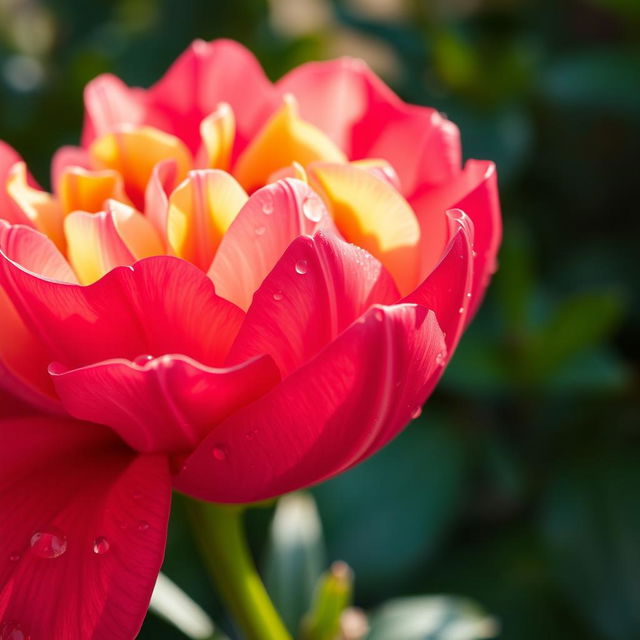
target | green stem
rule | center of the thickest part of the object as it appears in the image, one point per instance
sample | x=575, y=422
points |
x=220, y=535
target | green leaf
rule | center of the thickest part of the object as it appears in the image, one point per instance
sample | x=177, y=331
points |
x=295, y=557
x=389, y=514
x=431, y=618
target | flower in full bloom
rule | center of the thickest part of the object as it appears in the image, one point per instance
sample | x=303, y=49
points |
x=235, y=289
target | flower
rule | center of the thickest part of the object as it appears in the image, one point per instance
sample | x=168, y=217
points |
x=236, y=289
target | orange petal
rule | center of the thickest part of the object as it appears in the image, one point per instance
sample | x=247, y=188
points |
x=39, y=207
x=372, y=214
x=285, y=138
x=82, y=190
x=134, y=152
x=99, y=242
x=218, y=132
x=200, y=211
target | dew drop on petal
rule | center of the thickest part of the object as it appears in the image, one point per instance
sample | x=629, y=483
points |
x=312, y=208
x=142, y=359
x=47, y=544
x=440, y=358
x=143, y=525
x=301, y=267
x=278, y=295
x=219, y=453
x=260, y=230
x=101, y=546
x=267, y=205
x=13, y=631
x=461, y=310
x=417, y=412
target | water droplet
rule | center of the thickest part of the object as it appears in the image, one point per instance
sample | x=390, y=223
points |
x=313, y=208
x=46, y=544
x=260, y=230
x=142, y=359
x=301, y=267
x=13, y=631
x=14, y=557
x=461, y=310
x=143, y=525
x=417, y=412
x=468, y=294
x=474, y=254
x=440, y=358
x=101, y=546
x=219, y=453
x=378, y=314
x=278, y=295
x=267, y=205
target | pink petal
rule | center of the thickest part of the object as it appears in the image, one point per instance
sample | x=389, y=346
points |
x=317, y=289
x=158, y=305
x=273, y=217
x=326, y=415
x=156, y=201
x=447, y=289
x=109, y=103
x=164, y=404
x=206, y=74
x=366, y=119
x=474, y=191
x=83, y=526
x=8, y=209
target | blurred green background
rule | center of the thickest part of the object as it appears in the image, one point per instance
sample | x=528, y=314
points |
x=519, y=487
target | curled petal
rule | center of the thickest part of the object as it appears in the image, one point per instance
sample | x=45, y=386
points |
x=159, y=305
x=83, y=527
x=161, y=404
x=474, y=191
x=66, y=158
x=367, y=382
x=218, y=132
x=273, y=217
x=317, y=289
x=156, y=200
x=82, y=190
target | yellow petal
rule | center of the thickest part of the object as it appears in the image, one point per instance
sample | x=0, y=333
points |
x=380, y=169
x=200, y=211
x=284, y=139
x=134, y=152
x=218, y=132
x=102, y=241
x=39, y=207
x=370, y=213
x=82, y=190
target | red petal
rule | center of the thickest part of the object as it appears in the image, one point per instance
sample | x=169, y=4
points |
x=206, y=74
x=317, y=289
x=158, y=305
x=166, y=404
x=474, y=191
x=366, y=119
x=326, y=415
x=83, y=527
x=273, y=217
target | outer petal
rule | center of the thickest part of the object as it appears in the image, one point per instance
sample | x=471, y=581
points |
x=273, y=217
x=474, y=191
x=447, y=289
x=163, y=404
x=366, y=119
x=23, y=357
x=317, y=289
x=83, y=526
x=206, y=74
x=159, y=305
x=325, y=416
x=8, y=159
